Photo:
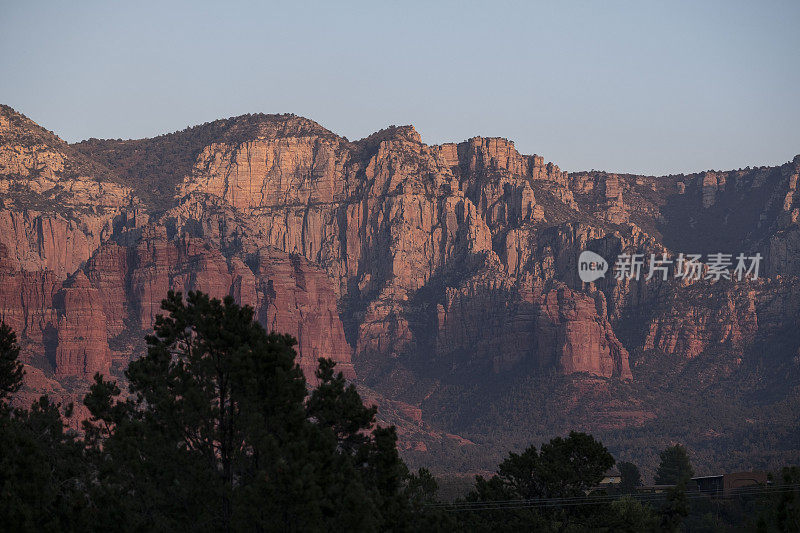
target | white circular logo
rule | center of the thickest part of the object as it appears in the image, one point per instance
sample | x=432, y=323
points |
x=591, y=266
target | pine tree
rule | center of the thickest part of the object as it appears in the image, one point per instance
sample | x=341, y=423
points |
x=630, y=478
x=11, y=371
x=675, y=467
x=630, y=515
x=43, y=472
x=563, y=468
x=570, y=466
x=675, y=508
x=217, y=434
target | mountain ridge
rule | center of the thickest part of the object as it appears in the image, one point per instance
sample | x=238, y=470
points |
x=443, y=274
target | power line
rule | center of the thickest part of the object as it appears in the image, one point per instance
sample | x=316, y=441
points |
x=606, y=498
x=596, y=500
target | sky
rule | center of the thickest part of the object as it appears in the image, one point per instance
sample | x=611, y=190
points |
x=635, y=86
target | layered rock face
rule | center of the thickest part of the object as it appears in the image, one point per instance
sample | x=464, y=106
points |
x=26, y=298
x=62, y=320
x=414, y=263
x=575, y=330
x=122, y=287
x=294, y=297
x=82, y=348
x=289, y=295
x=550, y=326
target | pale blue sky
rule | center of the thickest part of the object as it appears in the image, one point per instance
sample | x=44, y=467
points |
x=648, y=87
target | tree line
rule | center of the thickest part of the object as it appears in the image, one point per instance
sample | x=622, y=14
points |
x=219, y=431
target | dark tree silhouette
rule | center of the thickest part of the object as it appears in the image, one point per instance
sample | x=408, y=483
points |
x=630, y=478
x=675, y=467
x=217, y=434
x=11, y=371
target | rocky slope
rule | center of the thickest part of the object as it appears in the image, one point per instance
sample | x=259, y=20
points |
x=434, y=275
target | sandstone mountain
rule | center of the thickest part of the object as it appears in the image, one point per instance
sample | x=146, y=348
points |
x=442, y=279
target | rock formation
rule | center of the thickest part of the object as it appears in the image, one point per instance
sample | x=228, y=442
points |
x=80, y=264
x=413, y=266
x=82, y=348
